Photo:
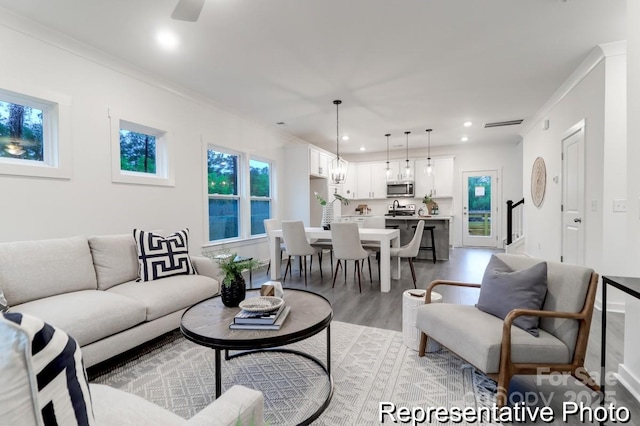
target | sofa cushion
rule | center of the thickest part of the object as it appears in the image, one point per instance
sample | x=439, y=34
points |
x=115, y=259
x=88, y=315
x=160, y=257
x=4, y=305
x=169, y=294
x=31, y=270
x=504, y=289
x=43, y=377
x=450, y=324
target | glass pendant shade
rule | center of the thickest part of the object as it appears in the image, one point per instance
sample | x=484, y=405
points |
x=429, y=169
x=338, y=165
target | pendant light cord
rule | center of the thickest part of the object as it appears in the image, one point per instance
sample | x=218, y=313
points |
x=429, y=146
x=407, y=133
x=387, y=135
x=337, y=103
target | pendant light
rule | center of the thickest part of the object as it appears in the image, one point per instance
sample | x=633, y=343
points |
x=429, y=169
x=388, y=169
x=338, y=166
x=407, y=171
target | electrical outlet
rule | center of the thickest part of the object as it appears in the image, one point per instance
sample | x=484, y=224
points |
x=619, y=205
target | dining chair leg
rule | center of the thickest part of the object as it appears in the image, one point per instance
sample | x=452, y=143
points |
x=413, y=272
x=370, y=276
x=268, y=268
x=319, y=263
x=335, y=274
x=345, y=271
x=358, y=269
x=299, y=266
x=331, y=255
x=305, y=270
x=287, y=269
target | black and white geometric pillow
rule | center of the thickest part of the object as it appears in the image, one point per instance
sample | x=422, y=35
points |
x=160, y=257
x=45, y=374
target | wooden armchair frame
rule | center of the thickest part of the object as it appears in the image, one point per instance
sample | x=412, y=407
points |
x=507, y=368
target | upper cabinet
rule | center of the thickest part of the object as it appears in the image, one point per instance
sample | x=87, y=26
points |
x=318, y=163
x=440, y=183
x=399, y=170
x=372, y=181
x=350, y=186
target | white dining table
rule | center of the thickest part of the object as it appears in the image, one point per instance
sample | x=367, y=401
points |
x=386, y=237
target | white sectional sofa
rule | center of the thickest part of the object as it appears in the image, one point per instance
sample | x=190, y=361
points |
x=87, y=287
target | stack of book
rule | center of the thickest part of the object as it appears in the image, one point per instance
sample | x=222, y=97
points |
x=247, y=320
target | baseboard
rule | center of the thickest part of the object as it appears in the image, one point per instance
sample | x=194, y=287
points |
x=629, y=381
x=617, y=307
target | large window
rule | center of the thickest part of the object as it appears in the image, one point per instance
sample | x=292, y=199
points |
x=224, y=198
x=260, y=194
x=238, y=194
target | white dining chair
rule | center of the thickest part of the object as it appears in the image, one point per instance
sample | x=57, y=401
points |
x=347, y=246
x=296, y=243
x=410, y=251
x=271, y=225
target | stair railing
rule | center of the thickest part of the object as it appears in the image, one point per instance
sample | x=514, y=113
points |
x=511, y=206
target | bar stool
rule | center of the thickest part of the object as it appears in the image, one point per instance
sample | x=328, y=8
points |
x=433, y=241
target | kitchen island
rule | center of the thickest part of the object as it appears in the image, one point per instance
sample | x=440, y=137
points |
x=442, y=233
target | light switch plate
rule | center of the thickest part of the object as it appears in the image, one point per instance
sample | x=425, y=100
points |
x=619, y=205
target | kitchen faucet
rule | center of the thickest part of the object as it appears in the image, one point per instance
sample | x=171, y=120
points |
x=395, y=203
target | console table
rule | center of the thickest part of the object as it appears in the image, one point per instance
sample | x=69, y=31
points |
x=628, y=285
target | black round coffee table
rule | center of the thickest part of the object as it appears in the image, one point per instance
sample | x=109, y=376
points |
x=207, y=324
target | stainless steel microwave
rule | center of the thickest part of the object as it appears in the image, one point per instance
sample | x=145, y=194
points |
x=403, y=188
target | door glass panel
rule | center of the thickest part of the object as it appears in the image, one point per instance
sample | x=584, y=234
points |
x=479, y=216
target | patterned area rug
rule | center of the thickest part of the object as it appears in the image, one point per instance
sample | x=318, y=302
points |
x=369, y=365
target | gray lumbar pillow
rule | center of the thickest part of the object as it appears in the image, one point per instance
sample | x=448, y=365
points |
x=504, y=290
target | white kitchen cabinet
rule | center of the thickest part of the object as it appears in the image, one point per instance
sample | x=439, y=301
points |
x=372, y=182
x=440, y=183
x=350, y=186
x=398, y=170
x=318, y=163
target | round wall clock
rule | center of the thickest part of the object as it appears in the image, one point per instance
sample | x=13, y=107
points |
x=538, y=181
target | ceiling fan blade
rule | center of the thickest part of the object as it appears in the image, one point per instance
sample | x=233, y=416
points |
x=188, y=10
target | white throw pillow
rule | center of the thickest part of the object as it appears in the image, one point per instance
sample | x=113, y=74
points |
x=160, y=257
x=43, y=376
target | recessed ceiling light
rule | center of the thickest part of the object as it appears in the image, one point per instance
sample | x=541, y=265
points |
x=467, y=124
x=167, y=39
x=280, y=123
x=362, y=148
x=345, y=138
x=464, y=139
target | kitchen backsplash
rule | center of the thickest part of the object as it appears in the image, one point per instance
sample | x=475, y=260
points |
x=379, y=207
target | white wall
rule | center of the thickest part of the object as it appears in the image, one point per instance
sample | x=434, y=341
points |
x=596, y=93
x=506, y=159
x=630, y=370
x=89, y=203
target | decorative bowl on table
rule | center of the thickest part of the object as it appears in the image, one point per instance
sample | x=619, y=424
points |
x=261, y=304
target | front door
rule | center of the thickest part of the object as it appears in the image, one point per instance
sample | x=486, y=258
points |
x=573, y=196
x=480, y=209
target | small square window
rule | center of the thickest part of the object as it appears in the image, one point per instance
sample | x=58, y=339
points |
x=141, y=154
x=31, y=142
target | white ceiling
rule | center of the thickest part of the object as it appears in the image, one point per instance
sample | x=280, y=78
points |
x=397, y=65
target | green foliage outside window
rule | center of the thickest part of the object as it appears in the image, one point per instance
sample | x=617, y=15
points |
x=21, y=132
x=137, y=152
x=222, y=171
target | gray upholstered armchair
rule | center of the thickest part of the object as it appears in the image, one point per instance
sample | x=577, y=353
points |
x=501, y=350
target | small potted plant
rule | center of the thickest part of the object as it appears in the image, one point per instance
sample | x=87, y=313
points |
x=233, y=287
x=327, y=207
x=427, y=201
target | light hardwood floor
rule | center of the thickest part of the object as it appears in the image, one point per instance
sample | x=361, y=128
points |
x=384, y=310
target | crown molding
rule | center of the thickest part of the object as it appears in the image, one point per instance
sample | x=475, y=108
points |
x=598, y=54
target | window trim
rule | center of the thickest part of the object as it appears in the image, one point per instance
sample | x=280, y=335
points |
x=164, y=175
x=56, y=133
